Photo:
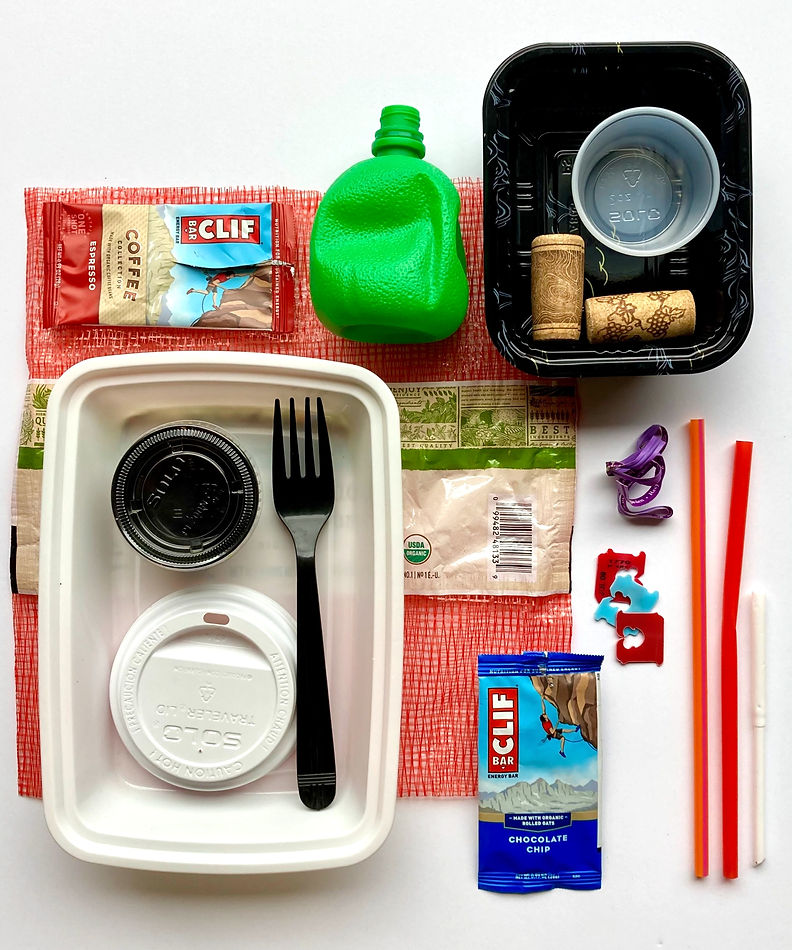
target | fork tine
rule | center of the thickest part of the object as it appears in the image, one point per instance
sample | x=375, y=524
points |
x=278, y=458
x=294, y=449
x=325, y=456
x=310, y=467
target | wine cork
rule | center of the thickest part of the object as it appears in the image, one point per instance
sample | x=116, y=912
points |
x=649, y=316
x=557, y=286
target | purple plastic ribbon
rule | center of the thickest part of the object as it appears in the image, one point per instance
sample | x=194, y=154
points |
x=644, y=467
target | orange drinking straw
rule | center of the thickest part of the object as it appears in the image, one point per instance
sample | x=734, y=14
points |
x=698, y=552
x=735, y=543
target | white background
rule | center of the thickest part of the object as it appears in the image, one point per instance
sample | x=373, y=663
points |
x=265, y=93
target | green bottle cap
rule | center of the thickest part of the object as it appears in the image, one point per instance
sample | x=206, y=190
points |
x=399, y=131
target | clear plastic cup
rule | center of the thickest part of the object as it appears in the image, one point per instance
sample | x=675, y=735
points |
x=645, y=181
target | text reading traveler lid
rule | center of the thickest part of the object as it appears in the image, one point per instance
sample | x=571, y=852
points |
x=202, y=688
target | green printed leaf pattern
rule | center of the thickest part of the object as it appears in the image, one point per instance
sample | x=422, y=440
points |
x=26, y=429
x=498, y=427
x=40, y=396
x=438, y=409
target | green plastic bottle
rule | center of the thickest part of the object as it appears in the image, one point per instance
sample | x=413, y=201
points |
x=387, y=262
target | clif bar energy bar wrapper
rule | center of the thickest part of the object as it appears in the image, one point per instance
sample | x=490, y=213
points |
x=227, y=266
x=539, y=781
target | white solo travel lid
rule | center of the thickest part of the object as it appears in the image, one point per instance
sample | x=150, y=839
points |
x=202, y=689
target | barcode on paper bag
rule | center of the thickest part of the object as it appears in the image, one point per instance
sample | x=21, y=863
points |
x=511, y=527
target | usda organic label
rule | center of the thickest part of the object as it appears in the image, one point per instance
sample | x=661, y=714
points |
x=417, y=549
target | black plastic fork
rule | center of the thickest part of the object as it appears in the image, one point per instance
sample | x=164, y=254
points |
x=304, y=503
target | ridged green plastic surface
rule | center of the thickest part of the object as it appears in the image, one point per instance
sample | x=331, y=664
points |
x=387, y=262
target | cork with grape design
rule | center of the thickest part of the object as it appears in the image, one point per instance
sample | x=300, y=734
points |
x=641, y=316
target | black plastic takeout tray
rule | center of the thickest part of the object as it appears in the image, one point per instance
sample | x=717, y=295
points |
x=539, y=106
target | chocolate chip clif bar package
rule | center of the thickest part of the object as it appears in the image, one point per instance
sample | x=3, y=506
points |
x=224, y=266
x=539, y=773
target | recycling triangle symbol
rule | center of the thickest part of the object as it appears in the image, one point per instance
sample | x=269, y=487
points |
x=207, y=692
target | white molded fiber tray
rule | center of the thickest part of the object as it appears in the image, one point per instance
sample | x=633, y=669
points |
x=102, y=805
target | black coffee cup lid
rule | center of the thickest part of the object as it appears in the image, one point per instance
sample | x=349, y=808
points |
x=185, y=496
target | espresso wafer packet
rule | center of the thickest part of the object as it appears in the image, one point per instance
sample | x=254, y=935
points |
x=224, y=266
x=539, y=772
